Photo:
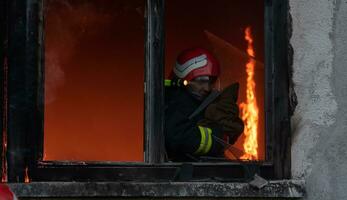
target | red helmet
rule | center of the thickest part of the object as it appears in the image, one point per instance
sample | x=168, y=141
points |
x=195, y=62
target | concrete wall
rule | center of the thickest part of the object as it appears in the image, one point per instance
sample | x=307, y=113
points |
x=319, y=125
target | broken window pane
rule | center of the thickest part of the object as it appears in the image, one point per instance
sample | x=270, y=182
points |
x=220, y=27
x=94, y=73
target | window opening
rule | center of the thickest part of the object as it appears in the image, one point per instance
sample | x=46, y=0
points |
x=94, y=74
x=25, y=129
x=233, y=31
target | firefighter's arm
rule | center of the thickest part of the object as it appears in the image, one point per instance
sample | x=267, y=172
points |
x=225, y=112
x=183, y=136
x=231, y=124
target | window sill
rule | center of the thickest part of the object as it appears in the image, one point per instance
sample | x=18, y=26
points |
x=281, y=188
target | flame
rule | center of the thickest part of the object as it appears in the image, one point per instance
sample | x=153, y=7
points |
x=249, y=109
x=4, y=122
x=4, y=162
x=26, y=175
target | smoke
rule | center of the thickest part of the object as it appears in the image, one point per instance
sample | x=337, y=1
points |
x=66, y=23
x=54, y=76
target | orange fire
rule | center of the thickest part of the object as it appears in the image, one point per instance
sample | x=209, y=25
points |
x=26, y=178
x=4, y=162
x=4, y=132
x=3, y=159
x=249, y=109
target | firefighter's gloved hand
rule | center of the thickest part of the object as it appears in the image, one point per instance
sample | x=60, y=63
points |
x=230, y=93
x=232, y=127
x=225, y=113
x=224, y=107
x=221, y=110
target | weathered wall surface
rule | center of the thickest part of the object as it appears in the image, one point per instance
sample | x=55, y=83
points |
x=319, y=124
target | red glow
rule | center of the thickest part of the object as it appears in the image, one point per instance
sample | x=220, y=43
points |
x=94, y=61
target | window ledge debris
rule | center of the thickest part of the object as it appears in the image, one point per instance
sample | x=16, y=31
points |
x=280, y=188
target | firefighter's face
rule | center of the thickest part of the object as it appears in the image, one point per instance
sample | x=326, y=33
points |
x=201, y=86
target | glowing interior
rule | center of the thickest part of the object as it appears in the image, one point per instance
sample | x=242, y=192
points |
x=94, y=73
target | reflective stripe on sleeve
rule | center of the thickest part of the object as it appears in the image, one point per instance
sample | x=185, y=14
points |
x=205, y=142
x=208, y=141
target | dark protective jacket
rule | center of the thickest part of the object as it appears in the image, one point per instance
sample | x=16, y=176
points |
x=183, y=137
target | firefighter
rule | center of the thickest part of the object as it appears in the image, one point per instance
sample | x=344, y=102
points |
x=189, y=136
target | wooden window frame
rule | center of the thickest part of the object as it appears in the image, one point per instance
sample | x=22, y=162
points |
x=23, y=114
